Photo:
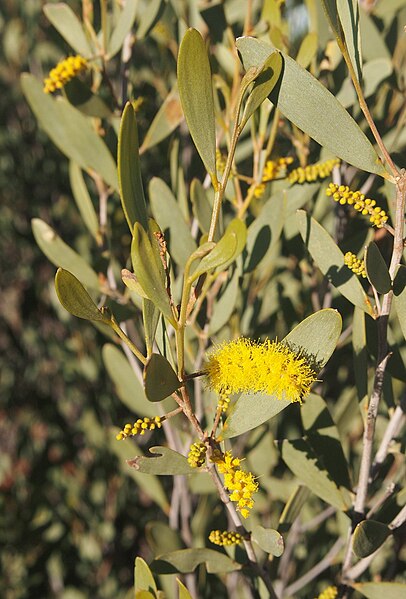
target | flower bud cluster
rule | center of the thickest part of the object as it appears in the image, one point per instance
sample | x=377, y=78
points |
x=242, y=485
x=226, y=537
x=140, y=427
x=274, y=169
x=356, y=199
x=220, y=161
x=64, y=71
x=355, y=264
x=328, y=593
x=313, y=172
x=197, y=455
x=223, y=402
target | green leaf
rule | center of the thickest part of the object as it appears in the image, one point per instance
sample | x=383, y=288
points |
x=226, y=250
x=143, y=579
x=269, y=540
x=162, y=461
x=196, y=96
x=263, y=85
x=129, y=170
x=83, y=200
x=131, y=281
x=266, y=230
x=167, y=213
x=348, y=13
x=293, y=507
x=307, y=50
x=168, y=117
x=187, y=560
x=75, y=299
x=68, y=25
x=369, y=535
x=225, y=304
x=149, y=17
x=376, y=269
x=399, y=295
x=82, y=98
x=160, y=380
x=359, y=343
x=61, y=255
x=317, y=337
x=378, y=590
x=202, y=209
x=317, y=113
x=306, y=465
x=127, y=386
x=150, y=484
x=183, y=592
x=147, y=272
x=70, y=131
x=123, y=26
x=331, y=12
x=150, y=317
x=330, y=260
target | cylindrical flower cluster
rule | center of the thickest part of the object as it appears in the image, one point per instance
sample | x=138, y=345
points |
x=313, y=172
x=356, y=199
x=355, y=264
x=225, y=537
x=64, y=71
x=140, y=427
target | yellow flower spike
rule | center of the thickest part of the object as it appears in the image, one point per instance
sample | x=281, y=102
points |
x=355, y=264
x=64, y=71
x=328, y=593
x=275, y=169
x=271, y=367
x=140, y=427
x=225, y=537
x=366, y=206
x=313, y=172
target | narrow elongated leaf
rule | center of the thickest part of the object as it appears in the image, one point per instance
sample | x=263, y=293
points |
x=160, y=380
x=74, y=297
x=129, y=170
x=183, y=592
x=269, y=540
x=378, y=590
x=168, y=117
x=162, y=461
x=167, y=213
x=331, y=11
x=293, y=507
x=61, y=255
x=317, y=337
x=330, y=260
x=82, y=199
x=348, y=13
x=359, y=343
x=263, y=85
x=148, y=273
x=376, y=269
x=68, y=25
x=307, y=50
x=399, y=291
x=225, y=305
x=369, y=535
x=317, y=113
x=187, y=560
x=201, y=206
x=265, y=231
x=149, y=17
x=196, y=95
x=70, y=131
x=123, y=26
x=306, y=465
x=150, y=317
x=143, y=579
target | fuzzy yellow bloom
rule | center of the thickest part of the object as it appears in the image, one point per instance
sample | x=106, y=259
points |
x=64, y=71
x=356, y=199
x=225, y=537
x=140, y=427
x=355, y=264
x=271, y=367
x=274, y=169
x=328, y=593
x=242, y=485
